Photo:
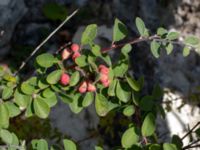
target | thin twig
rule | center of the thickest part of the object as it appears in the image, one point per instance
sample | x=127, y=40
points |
x=134, y=41
x=43, y=42
x=190, y=131
x=191, y=144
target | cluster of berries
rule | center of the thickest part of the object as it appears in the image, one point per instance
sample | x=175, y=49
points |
x=85, y=86
x=74, y=51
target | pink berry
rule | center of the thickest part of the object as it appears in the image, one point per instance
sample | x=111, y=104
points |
x=83, y=87
x=91, y=87
x=103, y=69
x=64, y=79
x=106, y=84
x=75, y=47
x=65, y=54
x=76, y=55
x=103, y=77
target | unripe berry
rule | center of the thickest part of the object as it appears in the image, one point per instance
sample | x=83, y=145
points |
x=64, y=79
x=83, y=87
x=103, y=69
x=106, y=84
x=91, y=87
x=75, y=47
x=76, y=55
x=65, y=54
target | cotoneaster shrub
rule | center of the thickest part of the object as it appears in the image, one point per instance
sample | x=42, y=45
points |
x=80, y=76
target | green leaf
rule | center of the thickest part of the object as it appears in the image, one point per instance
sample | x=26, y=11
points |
x=75, y=106
x=120, y=69
x=112, y=87
x=126, y=49
x=12, y=109
x=39, y=144
x=4, y=116
x=54, y=77
x=123, y=92
x=161, y=31
x=192, y=40
x=7, y=92
x=129, y=138
x=32, y=81
x=51, y=101
x=81, y=61
x=146, y=103
x=98, y=148
x=120, y=31
x=173, y=35
x=69, y=145
x=155, y=47
x=54, y=11
x=27, y=88
x=198, y=132
x=42, y=83
x=129, y=110
x=157, y=92
x=30, y=110
x=6, y=136
x=155, y=147
x=169, y=48
x=75, y=77
x=168, y=146
x=65, y=98
x=15, y=140
x=89, y=34
x=21, y=99
x=133, y=84
x=45, y=60
x=88, y=99
x=96, y=50
x=148, y=125
x=140, y=26
x=186, y=51
x=177, y=141
x=101, y=105
x=50, y=97
x=41, y=108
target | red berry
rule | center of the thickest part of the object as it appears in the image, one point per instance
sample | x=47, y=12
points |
x=106, y=84
x=91, y=87
x=103, y=69
x=83, y=87
x=64, y=79
x=103, y=77
x=76, y=55
x=65, y=54
x=75, y=47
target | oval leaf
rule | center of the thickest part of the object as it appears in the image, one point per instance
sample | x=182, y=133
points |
x=129, y=138
x=101, y=105
x=45, y=60
x=148, y=126
x=54, y=77
x=89, y=34
x=41, y=108
x=155, y=47
x=69, y=145
x=120, y=31
x=4, y=116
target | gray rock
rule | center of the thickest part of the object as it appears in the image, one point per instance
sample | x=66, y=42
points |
x=11, y=12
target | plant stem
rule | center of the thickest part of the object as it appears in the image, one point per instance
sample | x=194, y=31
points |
x=190, y=131
x=43, y=42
